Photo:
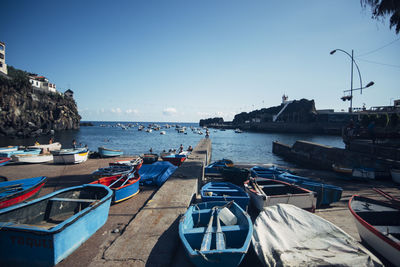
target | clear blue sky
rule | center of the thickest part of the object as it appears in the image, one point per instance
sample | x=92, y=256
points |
x=187, y=60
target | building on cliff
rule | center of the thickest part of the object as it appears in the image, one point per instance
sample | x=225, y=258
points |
x=41, y=83
x=3, y=65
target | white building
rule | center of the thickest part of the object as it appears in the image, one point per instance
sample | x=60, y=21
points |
x=3, y=65
x=42, y=83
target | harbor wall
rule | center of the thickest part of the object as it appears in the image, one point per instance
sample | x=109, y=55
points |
x=322, y=157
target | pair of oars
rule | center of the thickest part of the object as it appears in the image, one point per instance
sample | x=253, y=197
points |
x=207, y=239
x=127, y=176
x=394, y=201
x=10, y=187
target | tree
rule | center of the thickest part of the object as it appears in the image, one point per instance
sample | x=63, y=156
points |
x=383, y=8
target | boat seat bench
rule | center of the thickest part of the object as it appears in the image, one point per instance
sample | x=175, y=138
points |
x=214, y=229
x=272, y=185
x=391, y=229
x=72, y=199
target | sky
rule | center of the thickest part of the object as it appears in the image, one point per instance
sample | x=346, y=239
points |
x=182, y=61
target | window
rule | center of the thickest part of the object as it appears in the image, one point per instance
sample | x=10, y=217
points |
x=1, y=56
x=1, y=64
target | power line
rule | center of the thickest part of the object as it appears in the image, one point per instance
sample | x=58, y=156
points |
x=379, y=63
x=379, y=48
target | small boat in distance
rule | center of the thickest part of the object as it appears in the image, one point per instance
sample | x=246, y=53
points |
x=14, y=192
x=215, y=233
x=378, y=224
x=238, y=130
x=223, y=191
x=106, y=152
x=50, y=228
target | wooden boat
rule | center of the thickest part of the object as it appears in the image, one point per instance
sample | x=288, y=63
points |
x=236, y=175
x=124, y=186
x=378, y=224
x=14, y=192
x=395, y=175
x=4, y=160
x=70, y=156
x=223, y=191
x=156, y=173
x=219, y=243
x=6, y=149
x=106, y=152
x=149, y=158
x=326, y=193
x=28, y=158
x=32, y=151
x=48, y=147
x=44, y=231
x=268, y=192
x=117, y=168
x=216, y=168
x=175, y=159
x=285, y=235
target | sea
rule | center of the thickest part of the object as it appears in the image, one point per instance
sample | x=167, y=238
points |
x=246, y=147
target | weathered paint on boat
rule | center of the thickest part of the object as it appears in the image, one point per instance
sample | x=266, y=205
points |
x=378, y=224
x=46, y=230
x=228, y=251
x=14, y=192
x=223, y=191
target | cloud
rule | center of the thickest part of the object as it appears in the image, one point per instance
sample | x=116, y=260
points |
x=132, y=111
x=116, y=110
x=169, y=111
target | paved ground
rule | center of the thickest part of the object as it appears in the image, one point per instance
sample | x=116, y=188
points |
x=61, y=176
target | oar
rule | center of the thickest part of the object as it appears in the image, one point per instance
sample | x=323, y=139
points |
x=122, y=176
x=256, y=186
x=207, y=238
x=395, y=202
x=9, y=187
x=129, y=177
x=220, y=238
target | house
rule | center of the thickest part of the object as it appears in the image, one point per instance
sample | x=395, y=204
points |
x=69, y=93
x=41, y=83
x=3, y=65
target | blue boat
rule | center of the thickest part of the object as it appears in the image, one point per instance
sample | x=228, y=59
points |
x=5, y=149
x=156, y=173
x=106, y=152
x=224, y=191
x=32, y=151
x=211, y=238
x=326, y=193
x=215, y=168
x=46, y=230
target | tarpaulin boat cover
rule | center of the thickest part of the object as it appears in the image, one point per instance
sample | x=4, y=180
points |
x=156, y=173
x=285, y=235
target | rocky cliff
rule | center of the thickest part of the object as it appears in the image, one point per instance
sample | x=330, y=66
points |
x=27, y=112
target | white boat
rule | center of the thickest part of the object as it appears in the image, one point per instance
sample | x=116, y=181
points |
x=70, y=156
x=48, y=147
x=285, y=235
x=268, y=192
x=238, y=131
x=364, y=173
x=30, y=158
x=378, y=224
x=395, y=175
x=8, y=149
x=162, y=132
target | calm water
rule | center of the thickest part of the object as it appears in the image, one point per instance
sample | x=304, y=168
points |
x=244, y=147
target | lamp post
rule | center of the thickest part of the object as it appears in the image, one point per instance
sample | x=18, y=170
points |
x=351, y=82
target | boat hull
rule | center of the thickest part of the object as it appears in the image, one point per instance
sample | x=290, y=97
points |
x=386, y=244
x=222, y=191
x=46, y=246
x=281, y=192
x=32, y=158
x=70, y=158
x=395, y=175
x=149, y=158
x=30, y=188
x=121, y=193
x=4, y=161
x=106, y=153
x=192, y=228
x=175, y=159
x=49, y=147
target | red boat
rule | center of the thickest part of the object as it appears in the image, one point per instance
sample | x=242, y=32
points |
x=175, y=159
x=14, y=192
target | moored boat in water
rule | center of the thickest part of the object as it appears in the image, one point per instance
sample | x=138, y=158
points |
x=265, y=192
x=224, y=191
x=14, y=192
x=215, y=233
x=44, y=231
x=378, y=224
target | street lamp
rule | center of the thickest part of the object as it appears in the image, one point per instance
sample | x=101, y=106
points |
x=344, y=98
